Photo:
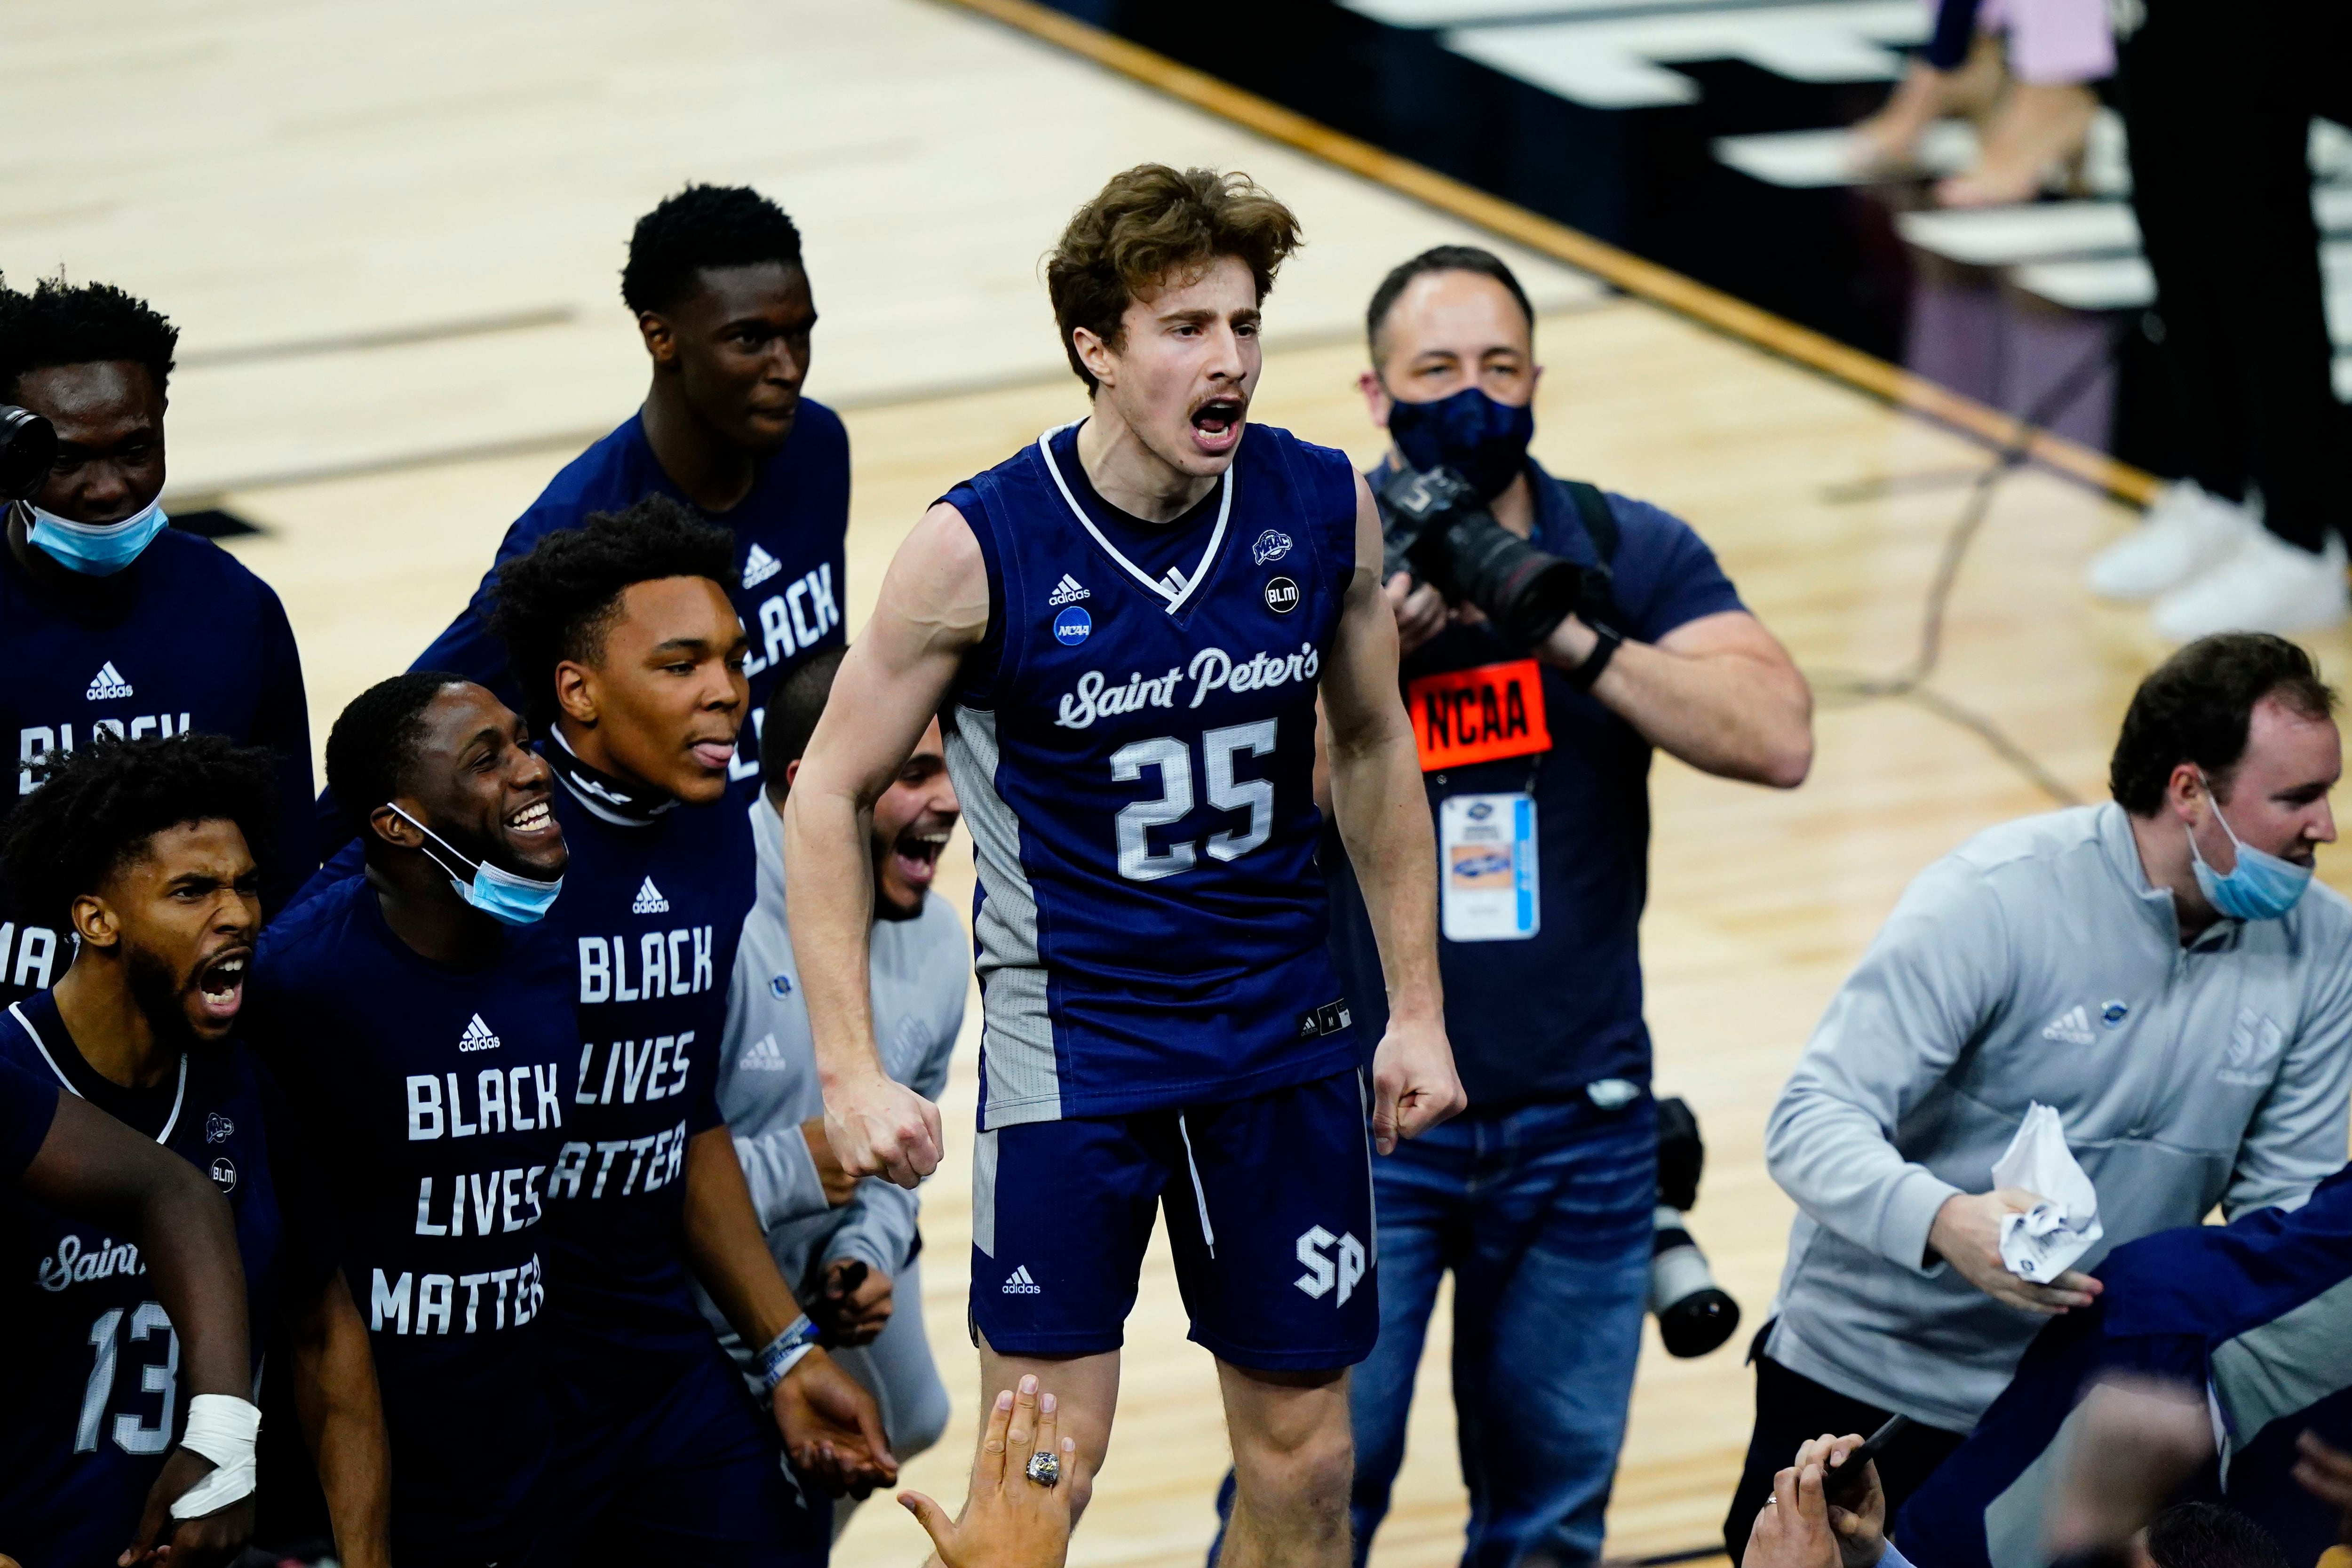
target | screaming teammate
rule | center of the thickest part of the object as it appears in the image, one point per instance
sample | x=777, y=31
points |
x=139, y=849
x=420, y=1009
x=621, y=634
x=1125, y=630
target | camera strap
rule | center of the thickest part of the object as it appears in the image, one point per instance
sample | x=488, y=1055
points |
x=1600, y=527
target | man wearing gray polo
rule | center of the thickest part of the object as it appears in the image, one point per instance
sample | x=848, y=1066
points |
x=2158, y=970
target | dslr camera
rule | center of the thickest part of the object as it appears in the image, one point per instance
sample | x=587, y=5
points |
x=1695, y=1314
x=1435, y=526
x=28, y=445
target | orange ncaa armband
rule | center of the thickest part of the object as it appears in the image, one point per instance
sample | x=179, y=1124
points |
x=1478, y=715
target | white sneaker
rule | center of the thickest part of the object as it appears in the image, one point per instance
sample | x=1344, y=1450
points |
x=2187, y=529
x=2269, y=586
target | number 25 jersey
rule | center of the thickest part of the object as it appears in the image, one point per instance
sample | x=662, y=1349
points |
x=1134, y=750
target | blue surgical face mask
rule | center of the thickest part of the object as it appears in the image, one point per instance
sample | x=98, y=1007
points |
x=2263, y=886
x=501, y=895
x=1484, y=441
x=93, y=549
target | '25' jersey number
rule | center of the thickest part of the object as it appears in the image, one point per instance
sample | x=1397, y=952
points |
x=1137, y=861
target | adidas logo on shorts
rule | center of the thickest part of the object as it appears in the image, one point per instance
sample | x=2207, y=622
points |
x=478, y=1037
x=759, y=567
x=649, y=900
x=1020, y=1284
x=763, y=1054
x=107, y=684
x=1067, y=592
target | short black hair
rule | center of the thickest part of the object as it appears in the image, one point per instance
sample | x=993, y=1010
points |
x=98, y=804
x=1439, y=258
x=2206, y=1535
x=703, y=226
x=81, y=323
x=558, y=602
x=372, y=751
x=793, y=709
x=2195, y=708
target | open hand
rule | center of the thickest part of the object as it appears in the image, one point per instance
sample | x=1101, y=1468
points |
x=1009, y=1521
x=833, y=1430
x=879, y=1127
x=1967, y=1234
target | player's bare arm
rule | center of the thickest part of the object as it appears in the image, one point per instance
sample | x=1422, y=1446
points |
x=1384, y=814
x=341, y=1411
x=831, y=1427
x=933, y=606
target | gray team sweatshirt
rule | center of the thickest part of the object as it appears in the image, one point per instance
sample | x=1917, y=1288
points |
x=767, y=1069
x=2037, y=964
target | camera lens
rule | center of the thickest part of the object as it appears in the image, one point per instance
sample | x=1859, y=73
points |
x=28, y=445
x=1526, y=592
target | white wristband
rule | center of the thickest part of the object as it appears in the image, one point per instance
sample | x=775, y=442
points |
x=221, y=1427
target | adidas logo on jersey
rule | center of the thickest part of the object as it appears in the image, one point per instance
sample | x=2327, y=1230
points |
x=1020, y=1284
x=1173, y=582
x=759, y=567
x=107, y=684
x=649, y=900
x=2072, y=1026
x=478, y=1037
x=763, y=1054
x=1068, y=591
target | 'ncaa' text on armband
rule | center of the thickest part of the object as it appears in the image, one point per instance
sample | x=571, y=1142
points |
x=1212, y=668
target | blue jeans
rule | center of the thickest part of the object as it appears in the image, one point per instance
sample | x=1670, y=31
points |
x=1544, y=1214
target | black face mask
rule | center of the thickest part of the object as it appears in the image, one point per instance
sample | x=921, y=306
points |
x=616, y=800
x=1484, y=441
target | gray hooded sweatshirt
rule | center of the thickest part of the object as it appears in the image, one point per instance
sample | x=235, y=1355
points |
x=768, y=1085
x=2036, y=962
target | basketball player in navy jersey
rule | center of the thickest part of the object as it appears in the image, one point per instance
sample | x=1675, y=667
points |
x=1125, y=630
x=622, y=634
x=140, y=848
x=422, y=1009
x=721, y=298
x=97, y=593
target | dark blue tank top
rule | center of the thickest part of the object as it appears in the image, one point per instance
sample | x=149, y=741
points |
x=1134, y=749
x=91, y=1376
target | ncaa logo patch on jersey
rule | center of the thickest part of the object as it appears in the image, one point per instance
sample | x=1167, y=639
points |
x=1281, y=596
x=1270, y=546
x=781, y=986
x=1072, y=627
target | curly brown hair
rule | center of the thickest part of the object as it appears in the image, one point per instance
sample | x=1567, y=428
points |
x=1149, y=225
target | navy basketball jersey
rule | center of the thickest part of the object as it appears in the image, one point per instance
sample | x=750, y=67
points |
x=651, y=912
x=1134, y=746
x=89, y=1378
x=444, y=1093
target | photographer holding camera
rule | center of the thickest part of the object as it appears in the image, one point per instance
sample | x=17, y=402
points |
x=1552, y=637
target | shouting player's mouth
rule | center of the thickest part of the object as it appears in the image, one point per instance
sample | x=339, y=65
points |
x=1217, y=424
x=915, y=855
x=220, y=982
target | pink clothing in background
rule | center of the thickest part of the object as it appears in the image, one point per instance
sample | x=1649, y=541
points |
x=2054, y=42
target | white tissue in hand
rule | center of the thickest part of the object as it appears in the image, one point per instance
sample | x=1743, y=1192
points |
x=2043, y=1242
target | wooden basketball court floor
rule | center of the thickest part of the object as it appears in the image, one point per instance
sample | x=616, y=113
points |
x=392, y=239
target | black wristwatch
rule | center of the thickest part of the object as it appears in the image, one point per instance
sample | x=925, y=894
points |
x=1605, y=644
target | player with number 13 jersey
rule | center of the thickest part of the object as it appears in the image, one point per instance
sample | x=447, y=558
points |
x=1126, y=629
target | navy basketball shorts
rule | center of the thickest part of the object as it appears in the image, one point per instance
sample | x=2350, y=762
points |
x=687, y=1474
x=1269, y=1206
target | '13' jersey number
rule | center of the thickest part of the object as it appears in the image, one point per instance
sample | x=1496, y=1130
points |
x=1137, y=860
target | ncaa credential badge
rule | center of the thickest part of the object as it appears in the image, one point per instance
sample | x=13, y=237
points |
x=1072, y=626
x=1271, y=545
